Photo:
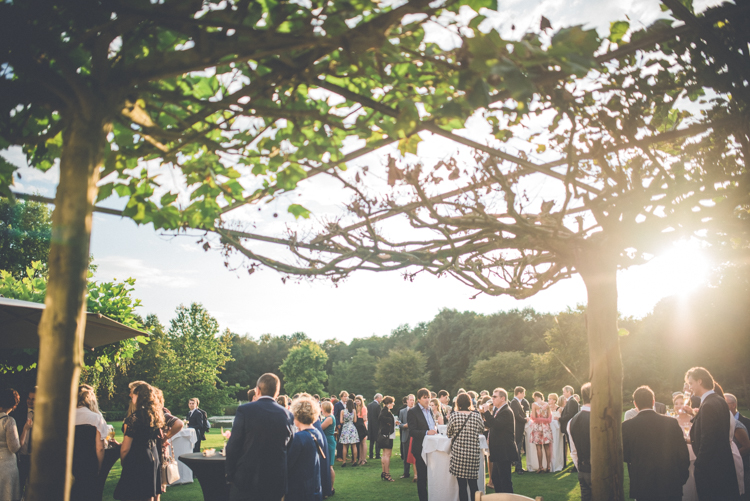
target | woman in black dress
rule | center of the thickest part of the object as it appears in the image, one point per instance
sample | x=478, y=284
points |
x=139, y=452
x=386, y=428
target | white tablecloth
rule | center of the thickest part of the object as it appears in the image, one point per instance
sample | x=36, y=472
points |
x=689, y=493
x=558, y=459
x=441, y=485
x=183, y=443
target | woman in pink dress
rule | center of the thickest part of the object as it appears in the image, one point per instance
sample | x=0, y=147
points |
x=541, y=431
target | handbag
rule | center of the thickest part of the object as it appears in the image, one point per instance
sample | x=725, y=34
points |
x=170, y=472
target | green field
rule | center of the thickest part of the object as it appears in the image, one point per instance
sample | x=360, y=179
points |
x=363, y=483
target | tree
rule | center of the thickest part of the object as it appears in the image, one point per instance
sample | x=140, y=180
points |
x=356, y=375
x=638, y=167
x=194, y=86
x=304, y=369
x=195, y=355
x=25, y=229
x=402, y=372
x=505, y=369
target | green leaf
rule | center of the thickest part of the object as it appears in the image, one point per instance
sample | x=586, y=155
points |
x=298, y=211
x=617, y=30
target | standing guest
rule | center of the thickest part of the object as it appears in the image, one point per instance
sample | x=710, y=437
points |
x=10, y=486
x=570, y=409
x=337, y=408
x=386, y=430
x=88, y=447
x=403, y=426
x=464, y=428
x=139, y=452
x=516, y=405
x=554, y=409
x=655, y=450
x=306, y=456
x=373, y=413
x=317, y=398
x=24, y=454
x=361, y=425
x=742, y=441
x=256, y=464
x=715, y=475
x=630, y=414
x=579, y=434
x=736, y=440
x=732, y=404
x=541, y=431
x=349, y=435
x=445, y=407
x=421, y=423
x=328, y=425
x=435, y=409
x=502, y=439
x=474, y=397
x=251, y=395
x=197, y=420
x=683, y=417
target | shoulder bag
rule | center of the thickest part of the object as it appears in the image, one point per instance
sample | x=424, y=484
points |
x=453, y=439
x=170, y=472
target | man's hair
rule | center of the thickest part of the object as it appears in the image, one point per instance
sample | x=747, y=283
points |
x=474, y=395
x=433, y=394
x=250, y=394
x=461, y=390
x=643, y=396
x=702, y=375
x=343, y=394
x=196, y=400
x=518, y=389
x=586, y=393
x=316, y=397
x=502, y=392
x=268, y=384
x=443, y=393
x=405, y=399
x=378, y=395
x=568, y=389
x=484, y=393
x=423, y=392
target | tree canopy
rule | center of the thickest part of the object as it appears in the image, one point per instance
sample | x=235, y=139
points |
x=304, y=369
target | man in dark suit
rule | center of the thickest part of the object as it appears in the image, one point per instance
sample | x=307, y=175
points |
x=519, y=414
x=421, y=423
x=373, y=413
x=655, y=450
x=732, y=404
x=257, y=449
x=502, y=439
x=198, y=420
x=570, y=410
x=715, y=477
x=579, y=434
x=337, y=408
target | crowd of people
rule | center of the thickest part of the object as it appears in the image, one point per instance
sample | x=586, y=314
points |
x=283, y=447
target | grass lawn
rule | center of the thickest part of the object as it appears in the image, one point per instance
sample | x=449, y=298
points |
x=363, y=483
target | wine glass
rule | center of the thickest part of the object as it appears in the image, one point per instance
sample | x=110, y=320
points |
x=110, y=435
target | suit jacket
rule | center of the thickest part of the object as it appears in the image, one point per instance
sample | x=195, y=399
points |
x=502, y=431
x=742, y=419
x=570, y=410
x=402, y=420
x=519, y=414
x=660, y=408
x=199, y=421
x=373, y=413
x=525, y=405
x=418, y=428
x=657, y=456
x=256, y=461
x=715, y=477
x=337, y=408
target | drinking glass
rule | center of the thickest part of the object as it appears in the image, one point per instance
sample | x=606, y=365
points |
x=110, y=434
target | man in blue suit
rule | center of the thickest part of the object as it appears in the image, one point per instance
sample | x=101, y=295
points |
x=257, y=448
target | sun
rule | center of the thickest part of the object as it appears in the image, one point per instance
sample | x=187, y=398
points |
x=676, y=272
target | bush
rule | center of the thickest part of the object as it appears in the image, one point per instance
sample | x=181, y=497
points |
x=115, y=415
x=231, y=410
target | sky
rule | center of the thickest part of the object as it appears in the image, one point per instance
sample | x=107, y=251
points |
x=172, y=270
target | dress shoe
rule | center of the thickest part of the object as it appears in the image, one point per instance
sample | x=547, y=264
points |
x=404, y=476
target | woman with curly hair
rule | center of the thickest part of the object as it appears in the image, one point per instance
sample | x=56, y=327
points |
x=139, y=452
x=305, y=457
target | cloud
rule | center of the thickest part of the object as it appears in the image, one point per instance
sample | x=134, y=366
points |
x=120, y=267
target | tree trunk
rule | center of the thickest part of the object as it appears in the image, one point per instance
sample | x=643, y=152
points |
x=599, y=272
x=63, y=321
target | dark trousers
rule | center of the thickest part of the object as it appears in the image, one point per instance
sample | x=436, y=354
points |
x=197, y=446
x=340, y=450
x=377, y=447
x=501, y=476
x=584, y=480
x=520, y=442
x=467, y=483
x=24, y=469
x=404, y=453
x=421, y=468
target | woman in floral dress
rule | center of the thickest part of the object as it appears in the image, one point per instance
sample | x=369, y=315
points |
x=349, y=435
x=541, y=431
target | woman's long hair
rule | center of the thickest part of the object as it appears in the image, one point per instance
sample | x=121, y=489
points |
x=148, y=402
x=131, y=386
x=87, y=398
x=350, y=405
